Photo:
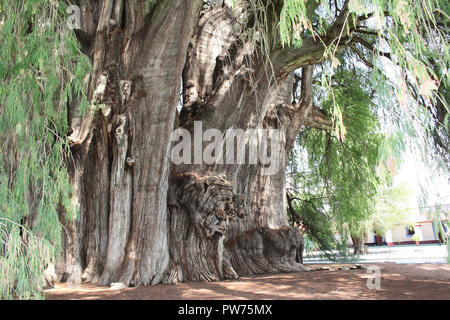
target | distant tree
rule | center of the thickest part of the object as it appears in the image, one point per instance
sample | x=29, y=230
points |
x=392, y=207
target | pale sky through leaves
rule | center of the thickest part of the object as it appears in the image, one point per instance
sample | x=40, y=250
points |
x=414, y=172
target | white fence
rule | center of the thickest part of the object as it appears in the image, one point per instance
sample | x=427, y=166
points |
x=396, y=254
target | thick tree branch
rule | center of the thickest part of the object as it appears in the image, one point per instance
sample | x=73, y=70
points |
x=370, y=32
x=370, y=46
x=318, y=119
x=314, y=117
x=303, y=113
x=306, y=85
x=361, y=56
x=288, y=59
x=370, y=15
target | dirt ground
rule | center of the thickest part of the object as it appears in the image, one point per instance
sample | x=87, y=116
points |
x=397, y=281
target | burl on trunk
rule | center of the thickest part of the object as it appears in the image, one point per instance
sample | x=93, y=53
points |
x=143, y=220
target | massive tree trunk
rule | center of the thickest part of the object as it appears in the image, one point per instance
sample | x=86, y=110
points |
x=142, y=220
x=121, y=147
x=226, y=86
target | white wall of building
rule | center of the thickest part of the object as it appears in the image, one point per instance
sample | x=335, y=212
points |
x=423, y=229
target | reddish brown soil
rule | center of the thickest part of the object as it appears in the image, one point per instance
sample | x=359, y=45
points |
x=419, y=281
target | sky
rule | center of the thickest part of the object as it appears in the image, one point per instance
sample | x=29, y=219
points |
x=415, y=172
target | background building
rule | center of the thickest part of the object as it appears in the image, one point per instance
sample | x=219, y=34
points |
x=423, y=230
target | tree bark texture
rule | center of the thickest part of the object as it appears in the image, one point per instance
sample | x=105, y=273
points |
x=121, y=147
x=240, y=95
x=143, y=220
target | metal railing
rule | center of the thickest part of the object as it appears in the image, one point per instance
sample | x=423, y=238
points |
x=430, y=253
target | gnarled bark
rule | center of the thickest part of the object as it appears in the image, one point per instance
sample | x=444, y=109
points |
x=200, y=211
x=240, y=95
x=120, y=147
x=266, y=250
x=209, y=221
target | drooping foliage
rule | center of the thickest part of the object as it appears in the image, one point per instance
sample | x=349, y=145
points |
x=392, y=208
x=334, y=180
x=404, y=47
x=41, y=70
x=405, y=43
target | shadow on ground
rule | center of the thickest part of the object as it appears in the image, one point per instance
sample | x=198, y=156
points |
x=397, y=281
